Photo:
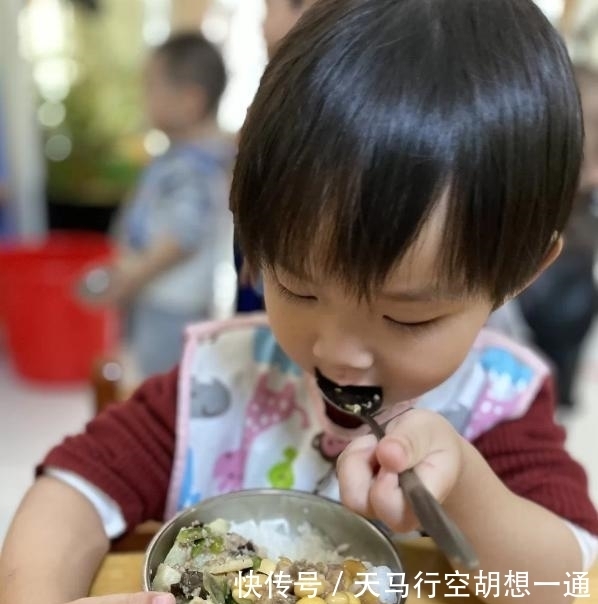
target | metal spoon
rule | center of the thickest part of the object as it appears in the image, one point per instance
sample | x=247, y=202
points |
x=364, y=402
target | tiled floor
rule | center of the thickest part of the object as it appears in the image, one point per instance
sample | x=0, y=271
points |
x=34, y=418
x=582, y=424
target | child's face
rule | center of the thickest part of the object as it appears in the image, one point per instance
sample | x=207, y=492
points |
x=408, y=339
x=171, y=107
x=281, y=16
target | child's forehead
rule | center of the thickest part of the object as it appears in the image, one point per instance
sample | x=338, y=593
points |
x=417, y=276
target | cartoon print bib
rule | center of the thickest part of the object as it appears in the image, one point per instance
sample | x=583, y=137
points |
x=247, y=416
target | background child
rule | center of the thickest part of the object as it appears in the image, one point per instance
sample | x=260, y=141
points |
x=388, y=221
x=174, y=229
x=281, y=17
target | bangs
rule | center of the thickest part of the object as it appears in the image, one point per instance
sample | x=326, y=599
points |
x=348, y=150
x=329, y=220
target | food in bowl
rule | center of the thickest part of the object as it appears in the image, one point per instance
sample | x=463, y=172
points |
x=251, y=562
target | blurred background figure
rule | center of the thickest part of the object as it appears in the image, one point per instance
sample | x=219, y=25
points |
x=281, y=16
x=171, y=230
x=560, y=306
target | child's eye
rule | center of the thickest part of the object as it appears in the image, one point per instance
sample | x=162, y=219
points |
x=290, y=295
x=417, y=326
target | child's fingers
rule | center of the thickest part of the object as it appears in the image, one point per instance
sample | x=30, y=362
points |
x=369, y=472
x=425, y=442
x=388, y=503
x=437, y=470
x=438, y=473
x=416, y=437
x=369, y=490
x=355, y=468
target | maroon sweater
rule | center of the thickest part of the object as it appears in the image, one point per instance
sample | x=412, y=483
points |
x=128, y=453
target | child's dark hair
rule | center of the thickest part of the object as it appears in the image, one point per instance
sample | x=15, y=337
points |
x=192, y=59
x=375, y=112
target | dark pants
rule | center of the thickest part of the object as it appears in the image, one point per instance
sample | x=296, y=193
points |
x=559, y=308
x=248, y=299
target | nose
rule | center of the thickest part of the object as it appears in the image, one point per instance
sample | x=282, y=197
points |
x=342, y=357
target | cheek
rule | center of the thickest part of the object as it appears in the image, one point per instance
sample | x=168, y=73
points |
x=292, y=328
x=421, y=364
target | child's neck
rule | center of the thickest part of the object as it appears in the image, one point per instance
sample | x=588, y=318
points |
x=207, y=129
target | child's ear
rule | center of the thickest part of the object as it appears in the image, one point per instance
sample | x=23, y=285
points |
x=552, y=253
x=556, y=247
x=554, y=250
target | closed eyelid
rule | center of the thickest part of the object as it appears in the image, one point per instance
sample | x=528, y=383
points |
x=290, y=281
x=422, y=322
x=413, y=325
x=289, y=293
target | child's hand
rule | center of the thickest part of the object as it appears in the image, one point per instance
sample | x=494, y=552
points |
x=138, y=598
x=367, y=470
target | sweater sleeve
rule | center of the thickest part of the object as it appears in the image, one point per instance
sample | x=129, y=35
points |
x=529, y=456
x=127, y=451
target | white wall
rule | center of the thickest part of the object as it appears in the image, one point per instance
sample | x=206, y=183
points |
x=26, y=165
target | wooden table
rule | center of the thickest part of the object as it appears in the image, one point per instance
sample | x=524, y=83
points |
x=122, y=573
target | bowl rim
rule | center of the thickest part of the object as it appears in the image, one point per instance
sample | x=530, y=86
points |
x=146, y=581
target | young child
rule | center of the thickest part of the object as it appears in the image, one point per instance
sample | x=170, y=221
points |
x=406, y=166
x=172, y=230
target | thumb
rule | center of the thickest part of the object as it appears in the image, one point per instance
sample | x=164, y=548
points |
x=426, y=441
x=142, y=597
x=411, y=438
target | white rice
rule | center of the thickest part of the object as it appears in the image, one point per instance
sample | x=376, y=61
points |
x=383, y=586
x=278, y=538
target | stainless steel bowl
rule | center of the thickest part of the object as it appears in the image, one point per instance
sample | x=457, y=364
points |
x=333, y=520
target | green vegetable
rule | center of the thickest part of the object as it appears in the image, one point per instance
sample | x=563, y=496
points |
x=217, y=588
x=217, y=545
x=229, y=599
x=189, y=535
x=256, y=562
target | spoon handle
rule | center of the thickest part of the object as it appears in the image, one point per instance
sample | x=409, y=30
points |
x=436, y=522
x=431, y=515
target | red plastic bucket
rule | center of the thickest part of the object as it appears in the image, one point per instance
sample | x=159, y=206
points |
x=52, y=335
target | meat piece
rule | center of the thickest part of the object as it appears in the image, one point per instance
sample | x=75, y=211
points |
x=191, y=584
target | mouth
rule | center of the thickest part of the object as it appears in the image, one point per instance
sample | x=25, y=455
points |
x=346, y=404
